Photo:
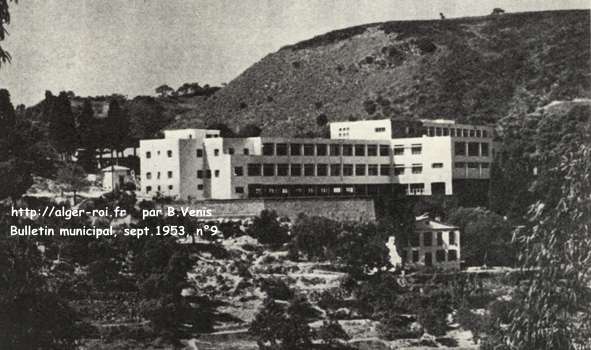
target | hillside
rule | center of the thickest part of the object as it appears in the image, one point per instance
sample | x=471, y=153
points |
x=471, y=69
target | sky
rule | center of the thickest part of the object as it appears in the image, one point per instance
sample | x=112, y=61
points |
x=100, y=47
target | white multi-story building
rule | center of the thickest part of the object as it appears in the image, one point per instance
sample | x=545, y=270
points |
x=360, y=158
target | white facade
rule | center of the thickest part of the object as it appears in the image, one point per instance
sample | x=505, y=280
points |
x=198, y=164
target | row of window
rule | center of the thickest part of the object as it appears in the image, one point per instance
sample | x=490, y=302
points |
x=270, y=169
x=473, y=149
x=322, y=149
x=471, y=165
x=440, y=256
x=456, y=132
x=428, y=239
x=149, y=175
x=158, y=188
x=149, y=154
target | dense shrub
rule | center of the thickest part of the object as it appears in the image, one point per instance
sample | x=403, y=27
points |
x=267, y=229
x=276, y=288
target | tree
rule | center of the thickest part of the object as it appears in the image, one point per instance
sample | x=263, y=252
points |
x=267, y=229
x=485, y=236
x=362, y=247
x=15, y=154
x=315, y=236
x=118, y=126
x=62, y=128
x=4, y=20
x=554, y=311
x=33, y=315
x=225, y=131
x=279, y=328
x=321, y=119
x=72, y=177
x=164, y=90
x=250, y=130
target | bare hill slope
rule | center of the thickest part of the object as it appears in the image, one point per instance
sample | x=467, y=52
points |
x=471, y=69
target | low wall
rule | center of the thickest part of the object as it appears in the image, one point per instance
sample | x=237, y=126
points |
x=358, y=209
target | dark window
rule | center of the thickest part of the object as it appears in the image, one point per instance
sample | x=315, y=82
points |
x=308, y=169
x=359, y=169
x=246, y=151
x=254, y=169
x=460, y=165
x=439, y=238
x=473, y=149
x=169, y=174
x=321, y=149
x=216, y=152
x=472, y=133
x=440, y=255
x=347, y=169
x=452, y=132
x=484, y=165
x=452, y=255
x=335, y=150
x=427, y=239
x=347, y=150
x=170, y=187
x=148, y=176
x=335, y=170
x=360, y=150
x=460, y=148
x=417, y=188
x=238, y=171
x=484, y=133
x=216, y=173
x=296, y=170
x=437, y=165
x=372, y=150
x=459, y=132
x=295, y=149
x=321, y=170
x=416, y=149
x=414, y=240
x=452, y=237
x=148, y=155
x=384, y=169
x=230, y=150
x=417, y=169
x=398, y=150
x=308, y=149
x=384, y=150
x=199, y=153
x=169, y=154
x=208, y=174
x=282, y=169
x=437, y=131
x=484, y=149
x=281, y=149
x=200, y=187
x=372, y=170
x=465, y=132
x=158, y=175
x=148, y=188
x=431, y=131
x=398, y=170
x=200, y=174
x=380, y=129
x=473, y=165
x=478, y=133
x=268, y=169
x=445, y=132
x=239, y=189
x=268, y=149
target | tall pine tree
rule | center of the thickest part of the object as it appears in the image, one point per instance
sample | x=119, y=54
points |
x=62, y=129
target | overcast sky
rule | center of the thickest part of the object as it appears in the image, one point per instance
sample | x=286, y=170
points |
x=99, y=47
